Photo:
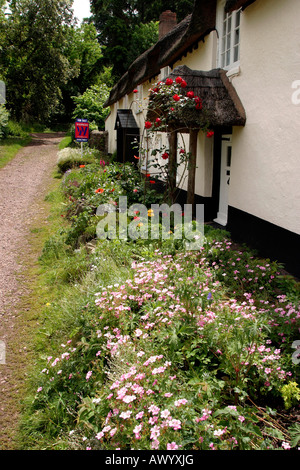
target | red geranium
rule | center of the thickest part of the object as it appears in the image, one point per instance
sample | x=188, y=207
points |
x=210, y=134
x=176, y=97
x=148, y=125
x=157, y=122
x=169, y=81
x=165, y=156
x=178, y=80
x=183, y=84
x=190, y=94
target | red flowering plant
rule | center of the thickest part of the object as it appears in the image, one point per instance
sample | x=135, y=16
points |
x=172, y=108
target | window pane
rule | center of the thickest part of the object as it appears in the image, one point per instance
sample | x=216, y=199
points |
x=236, y=54
x=228, y=57
x=238, y=18
x=236, y=37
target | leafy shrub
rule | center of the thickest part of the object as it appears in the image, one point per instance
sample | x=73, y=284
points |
x=70, y=158
x=90, y=105
x=4, y=116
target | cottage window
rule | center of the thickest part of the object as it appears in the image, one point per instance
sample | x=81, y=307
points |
x=229, y=38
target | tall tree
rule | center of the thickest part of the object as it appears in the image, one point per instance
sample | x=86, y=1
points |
x=84, y=54
x=32, y=56
x=118, y=20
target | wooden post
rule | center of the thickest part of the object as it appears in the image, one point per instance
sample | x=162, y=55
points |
x=172, y=165
x=192, y=166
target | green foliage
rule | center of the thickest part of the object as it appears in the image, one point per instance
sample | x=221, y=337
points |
x=89, y=105
x=4, y=116
x=127, y=29
x=148, y=346
x=34, y=64
x=71, y=158
x=290, y=394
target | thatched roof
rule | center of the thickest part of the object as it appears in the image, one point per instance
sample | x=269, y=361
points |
x=221, y=104
x=236, y=4
x=180, y=40
x=172, y=47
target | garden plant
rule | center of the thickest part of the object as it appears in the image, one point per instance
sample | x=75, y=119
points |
x=147, y=345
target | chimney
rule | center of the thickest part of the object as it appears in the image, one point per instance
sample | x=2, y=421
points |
x=167, y=21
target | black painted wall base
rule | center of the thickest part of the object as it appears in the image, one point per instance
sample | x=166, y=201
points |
x=270, y=240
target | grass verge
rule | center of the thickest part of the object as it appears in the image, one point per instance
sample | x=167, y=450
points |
x=10, y=147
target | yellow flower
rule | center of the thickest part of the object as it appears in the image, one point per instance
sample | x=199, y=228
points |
x=150, y=213
x=140, y=224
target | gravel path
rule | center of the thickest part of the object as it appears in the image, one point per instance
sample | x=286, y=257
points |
x=24, y=183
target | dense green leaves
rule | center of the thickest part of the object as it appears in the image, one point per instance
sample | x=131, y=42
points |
x=119, y=22
x=35, y=67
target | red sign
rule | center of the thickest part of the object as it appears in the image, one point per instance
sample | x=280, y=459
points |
x=82, y=130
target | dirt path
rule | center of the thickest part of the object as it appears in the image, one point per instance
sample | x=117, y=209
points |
x=24, y=183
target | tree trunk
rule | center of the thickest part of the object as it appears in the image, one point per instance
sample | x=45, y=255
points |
x=192, y=166
x=172, y=165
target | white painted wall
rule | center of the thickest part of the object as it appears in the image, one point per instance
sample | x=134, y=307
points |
x=265, y=173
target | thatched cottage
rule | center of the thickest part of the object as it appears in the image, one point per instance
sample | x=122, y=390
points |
x=242, y=58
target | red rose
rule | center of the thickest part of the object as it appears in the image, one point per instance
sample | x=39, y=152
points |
x=148, y=125
x=178, y=80
x=190, y=94
x=198, y=102
x=165, y=156
x=135, y=91
x=183, y=84
x=169, y=81
x=176, y=97
x=157, y=122
x=210, y=134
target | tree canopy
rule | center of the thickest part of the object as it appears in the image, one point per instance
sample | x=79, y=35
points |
x=47, y=59
x=121, y=22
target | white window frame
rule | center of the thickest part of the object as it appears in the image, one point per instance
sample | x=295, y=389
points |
x=229, y=39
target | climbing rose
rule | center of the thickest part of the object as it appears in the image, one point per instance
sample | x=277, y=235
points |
x=157, y=122
x=210, y=134
x=169, y=81
x=176, y=97
x=198, y=102
x=148, y=124
x=183, y=84
x=165, y=156
x=190, y=94
x=135, y=91
x=178, y=80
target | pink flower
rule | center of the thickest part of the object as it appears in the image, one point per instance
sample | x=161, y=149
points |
x=172, y=446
